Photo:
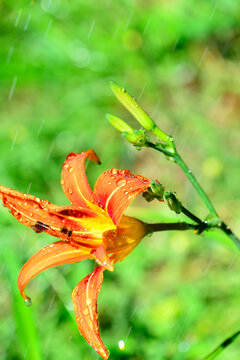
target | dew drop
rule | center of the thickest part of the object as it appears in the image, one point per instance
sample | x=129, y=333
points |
x=121, y=344
x=70, y=170
x=28, y=302
x=62, y=182
x=114, y=171
x=88, y=302
x=70, y=191
x=121, y=183
x=126, y=192
x=85, y=312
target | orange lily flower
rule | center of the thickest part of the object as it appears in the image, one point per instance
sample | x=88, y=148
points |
x=94, y=227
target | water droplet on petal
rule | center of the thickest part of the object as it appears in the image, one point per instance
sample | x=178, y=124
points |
x=121, y=183
x=88, y=302
x=70, y=191
x=114, y=171
x=28, y=302
x=70, y=170
x=85, y=312
x=62, y=182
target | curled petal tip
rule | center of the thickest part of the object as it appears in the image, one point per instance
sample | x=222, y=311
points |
x=91, y=155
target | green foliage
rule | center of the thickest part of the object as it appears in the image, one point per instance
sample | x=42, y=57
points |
x=177, y=295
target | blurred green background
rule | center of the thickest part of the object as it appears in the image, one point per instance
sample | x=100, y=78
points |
x=177, y=295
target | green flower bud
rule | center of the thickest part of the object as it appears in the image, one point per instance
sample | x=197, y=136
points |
x=172, y=202
x=119, y=124
x=157, y=189
x=134, y=108
x=137, y=138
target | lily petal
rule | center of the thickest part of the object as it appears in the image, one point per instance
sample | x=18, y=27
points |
x=122, y=254
x=84, y=298
x=102, y=258
x=115, y=190
x=123, y=241
x=63, y=222
x=74, y=181
x=58, y=253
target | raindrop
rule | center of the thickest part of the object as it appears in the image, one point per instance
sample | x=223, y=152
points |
x=26, y=352
x=12, y=88
x=14, y=140
x=128, y=21
x=50, y=150
x=203, y=55
x=18, y=17
x=28, y=302
x=70, y=170
x=121, y=344
x=51, y=303
x=88, y=302
x=213, y=11
x=142, y=91
x=70, y=191
x=10, y=53
x=27, y=22
x=146, y=27
x=29, y=187
x=91, y=29
x=121, y=183
x=85, y=312
x=40, y=128
x=48, y=28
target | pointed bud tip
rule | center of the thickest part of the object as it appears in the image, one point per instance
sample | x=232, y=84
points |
x=113, y=85
x=119, y=124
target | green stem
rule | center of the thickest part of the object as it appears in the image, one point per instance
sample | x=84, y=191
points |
x=177, y=158
x=195, y=183
x=213, y=354
x=171, y=152
x=229, y=233
x=170, y=226
x=191, y=216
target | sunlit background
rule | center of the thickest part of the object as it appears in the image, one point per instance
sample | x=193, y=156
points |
x=177, y=295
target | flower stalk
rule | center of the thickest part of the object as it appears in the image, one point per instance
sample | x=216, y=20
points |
x=165, y=145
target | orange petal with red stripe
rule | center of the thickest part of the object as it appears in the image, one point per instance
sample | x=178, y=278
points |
x=74, y=180
x=41, y=215
x=58, y=253
x=115, y=190
x=84, y=298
